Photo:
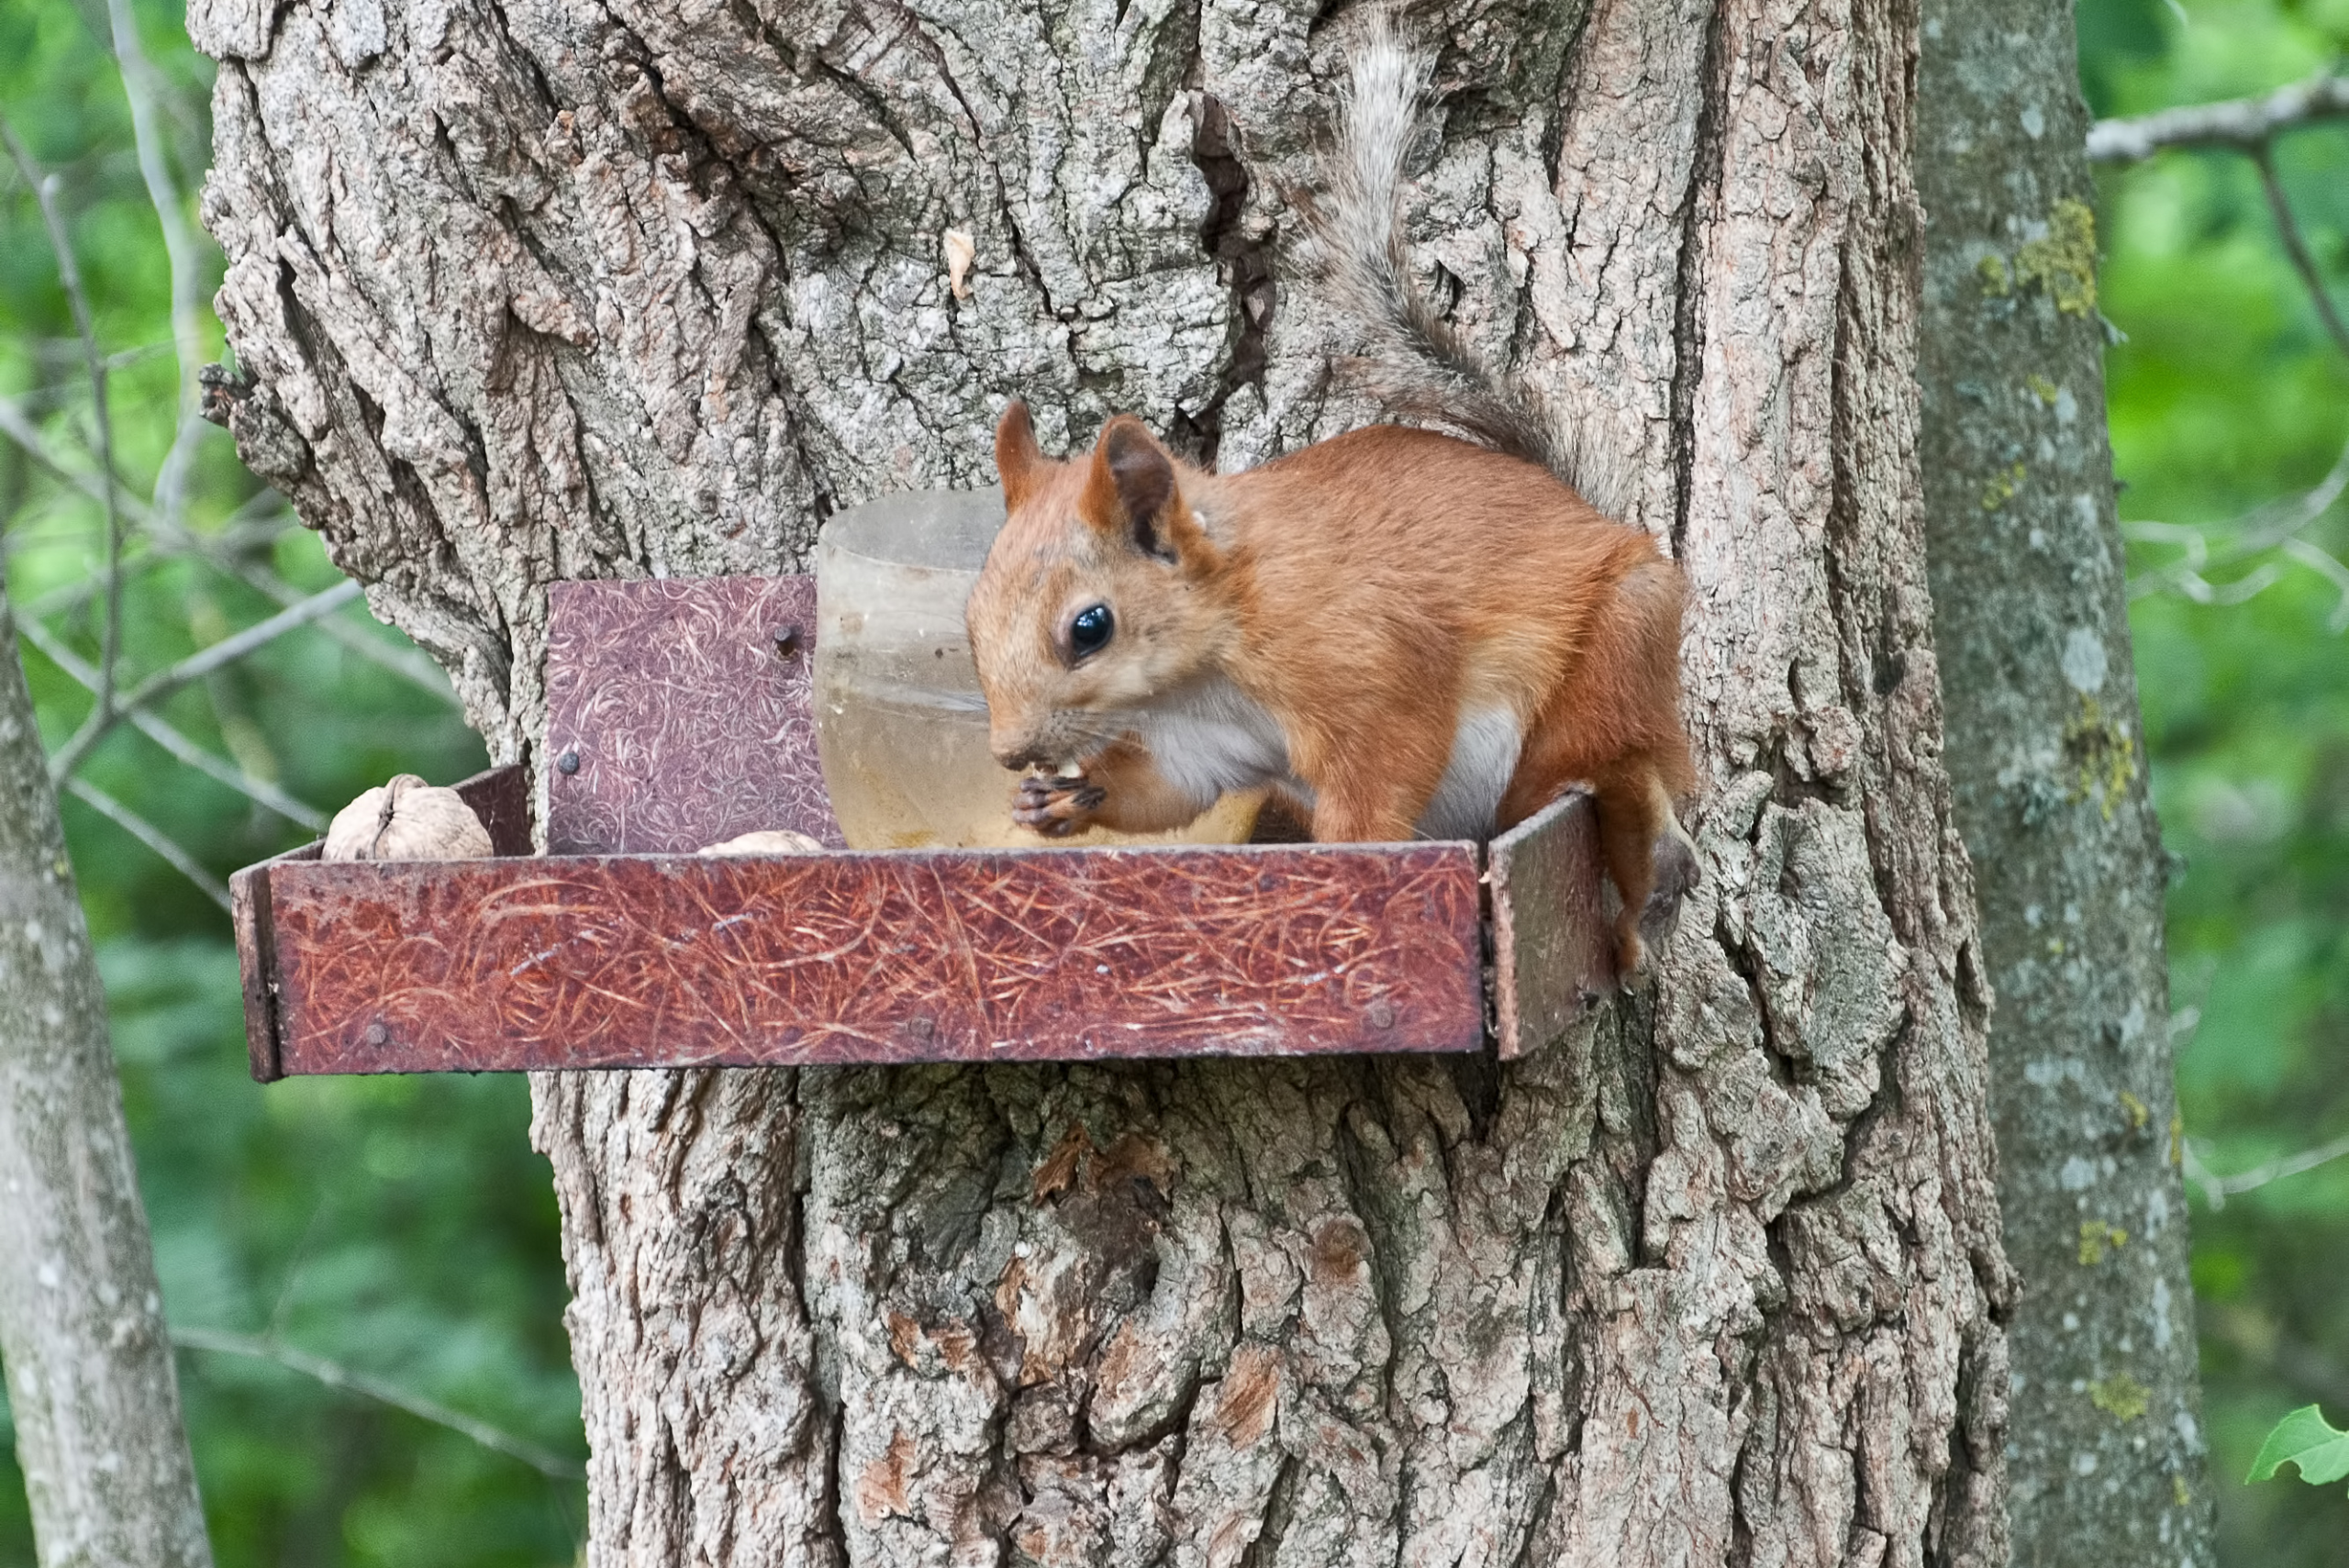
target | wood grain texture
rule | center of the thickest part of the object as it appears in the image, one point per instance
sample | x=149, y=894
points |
x=676, y=720
x=1038, y=955
x=1552, y=956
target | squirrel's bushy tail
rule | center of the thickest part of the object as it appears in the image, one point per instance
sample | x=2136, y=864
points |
x=1417, y=365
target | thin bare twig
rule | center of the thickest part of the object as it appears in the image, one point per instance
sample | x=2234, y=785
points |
x=19, y=427
x=2248, y=126
x=229, y=650
x=334, y=1375
x=406, y=663
x=154, y=838
x=2296, y=246
x=117, y=360
x=172, y=741
x=251, y=526
x=68, y=597
x=283, y=1305
x=2217, y=1189
x=2329, y=568
x=69, y=276
x=2202, y=1176
x=2273, y=525
x=195, y=667
x=143, y=86
x=123, y=358
x=258, y=790
x=225, y=553
x=2242, y=124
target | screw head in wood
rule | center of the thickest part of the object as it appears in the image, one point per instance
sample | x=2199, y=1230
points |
x=567, y=763
x=786, y=640
x=1382, y=1013
x=378, y=1036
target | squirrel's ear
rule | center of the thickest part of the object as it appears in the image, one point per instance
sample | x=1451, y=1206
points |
x=1131, y=487
x=1018, y=461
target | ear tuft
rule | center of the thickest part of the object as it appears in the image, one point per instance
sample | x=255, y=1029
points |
x=1144, y=474
x=1018, y=461
x=1131, y=487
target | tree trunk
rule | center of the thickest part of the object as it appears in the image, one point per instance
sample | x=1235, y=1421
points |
x=90, y=1377
x=541, y=291
x=2107, y=1455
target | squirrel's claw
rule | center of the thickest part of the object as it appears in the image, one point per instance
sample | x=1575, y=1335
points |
x=1679, y=873
x=1056, y=807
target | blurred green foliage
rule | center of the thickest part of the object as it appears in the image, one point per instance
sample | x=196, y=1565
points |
x=402, y=1226
x=399, y=1225
x=2228, y=393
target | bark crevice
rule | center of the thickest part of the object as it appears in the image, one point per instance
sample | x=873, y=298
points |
x=1687, y=326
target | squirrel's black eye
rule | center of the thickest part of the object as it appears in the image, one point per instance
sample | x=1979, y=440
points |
x=1089, y=632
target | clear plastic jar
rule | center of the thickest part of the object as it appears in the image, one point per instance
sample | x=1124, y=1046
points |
x=901, y=726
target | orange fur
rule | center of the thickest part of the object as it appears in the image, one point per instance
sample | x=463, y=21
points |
x=1362, y=594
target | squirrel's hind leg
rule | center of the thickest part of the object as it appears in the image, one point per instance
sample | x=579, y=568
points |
x=1649, y=857
x=1362, y=815
x=1374, y=771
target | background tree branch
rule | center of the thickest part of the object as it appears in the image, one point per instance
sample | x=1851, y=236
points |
x=195, y=667
x=2249, y=126
x=2037, y=673
x=89, y=1367
x=143, y=90
x=337, y=1375
x=154, y=838
x=2296, y=245
x=2244, y=125
x=2275, y=525
x=163, y=734
x=229, y=551
x=2217, y=1189
x=69, y=276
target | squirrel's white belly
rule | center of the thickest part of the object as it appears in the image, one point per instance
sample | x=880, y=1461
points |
x=1468, y=802
x=1214, y=738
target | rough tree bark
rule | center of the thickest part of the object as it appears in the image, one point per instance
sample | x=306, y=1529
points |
x=2106, y=1453
x=546, y=291
x=90, y=1377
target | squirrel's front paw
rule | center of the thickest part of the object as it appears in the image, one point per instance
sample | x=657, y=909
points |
x=1058, y=804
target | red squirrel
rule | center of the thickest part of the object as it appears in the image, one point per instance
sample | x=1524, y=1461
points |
x=1407, y=634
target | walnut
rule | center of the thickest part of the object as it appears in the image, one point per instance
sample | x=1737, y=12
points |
x=407, y=819
x=768, y=841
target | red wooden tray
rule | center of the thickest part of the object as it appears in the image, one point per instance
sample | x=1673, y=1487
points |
x=680, y=714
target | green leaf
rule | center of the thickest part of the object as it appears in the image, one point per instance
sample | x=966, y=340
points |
x=2305, y=1439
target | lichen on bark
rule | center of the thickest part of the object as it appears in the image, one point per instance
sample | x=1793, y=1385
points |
x=547, y=291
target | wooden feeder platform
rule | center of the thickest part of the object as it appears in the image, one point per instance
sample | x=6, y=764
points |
x=680, y=714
